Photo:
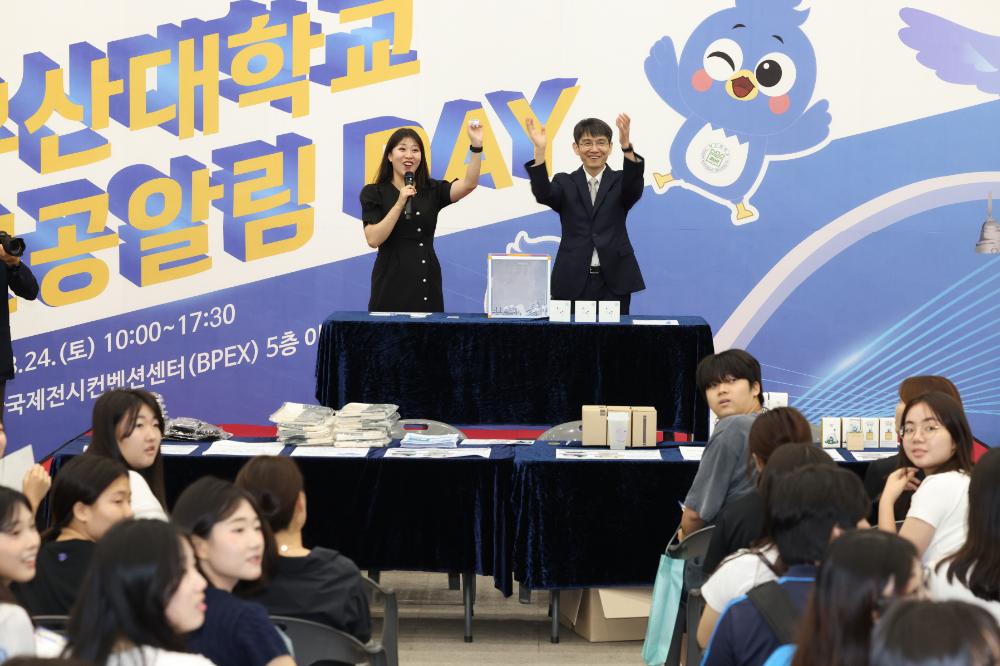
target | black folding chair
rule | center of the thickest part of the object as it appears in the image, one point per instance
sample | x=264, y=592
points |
x=313, y=642
x=692, y=549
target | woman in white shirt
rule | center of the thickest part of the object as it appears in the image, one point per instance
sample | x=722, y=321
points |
x=972, y=574
x=143, y=592
x=128, y=427
x=19, y=543
x=938, y=441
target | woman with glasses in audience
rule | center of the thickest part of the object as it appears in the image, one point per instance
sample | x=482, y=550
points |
x=143, y=592
x=317, y=584
x=128, y=427
x=972, y=573
x=919, y=632
x=862, y=573
x=879, y=470
x=938, y=442
x=91, y=494
x=231, y=542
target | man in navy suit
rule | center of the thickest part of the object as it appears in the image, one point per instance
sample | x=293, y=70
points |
x=595, y=261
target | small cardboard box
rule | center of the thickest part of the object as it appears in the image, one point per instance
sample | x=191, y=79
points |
x=599, y=615
x=560, y=311
x=830, y=432
x=774, y=399
x=628, y=411
x=619, y=430
x=887, y=433
x=595, y=425
x=585, y=311
x=847, y=426
x=644, y=426
x=855, y=441
x=870, y=429
x=609, y=312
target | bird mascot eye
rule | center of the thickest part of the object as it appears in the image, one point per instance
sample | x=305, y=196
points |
x=775, y=74
x=722, y=58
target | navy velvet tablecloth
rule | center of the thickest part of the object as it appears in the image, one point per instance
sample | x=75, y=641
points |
x=594, y=523
x=387, y=513
x=553, y=523
x=468, y=369
x=599, y=523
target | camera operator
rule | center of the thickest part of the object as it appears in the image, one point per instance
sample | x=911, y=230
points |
x=22, y=282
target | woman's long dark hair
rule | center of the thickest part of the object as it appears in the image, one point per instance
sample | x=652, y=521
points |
x=976, y=564
x=918, y=632
x=949, y=414
x=10, y=501
x=207, y=502
x=849, y=590
x=384, y=174
x=82, y=479
x=275, y=483
x=135, y=570
x=116, y=410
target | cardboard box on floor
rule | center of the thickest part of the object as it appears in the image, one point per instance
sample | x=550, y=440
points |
x=607, y=614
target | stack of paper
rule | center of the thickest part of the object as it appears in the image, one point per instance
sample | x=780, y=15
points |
x=304, y=425
x=364, y=424
x=413, y=440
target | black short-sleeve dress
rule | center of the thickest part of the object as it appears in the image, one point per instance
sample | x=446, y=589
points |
x=407, y=275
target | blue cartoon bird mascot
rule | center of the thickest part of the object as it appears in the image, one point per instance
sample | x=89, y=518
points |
x=743, y=84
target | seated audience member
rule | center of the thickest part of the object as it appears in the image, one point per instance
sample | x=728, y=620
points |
x=749, y=567
x=807, y=510
x=90, y=495
x=972, y=573
x=879, y=470
x=732, y=386
x=142, y=593
x=741, y=521
x=316, y=584
x=919, y=632
x=128, y=427
x=18, y=551
x=938, y=442
x=231, y=542
x=862, y=572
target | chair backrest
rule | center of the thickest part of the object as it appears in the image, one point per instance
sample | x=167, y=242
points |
x=423, y=427
x=694, y=545
x=390, y=619
x=314, y=642
x=56, y=623
x=695, y=607
x=564, y=432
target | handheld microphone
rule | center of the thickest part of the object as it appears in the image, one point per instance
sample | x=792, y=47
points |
x=408, y=209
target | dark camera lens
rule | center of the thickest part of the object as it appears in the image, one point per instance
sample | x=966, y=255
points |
x=11, y=244
x=14, y=246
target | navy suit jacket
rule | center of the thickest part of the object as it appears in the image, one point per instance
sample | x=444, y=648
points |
x=587, y=225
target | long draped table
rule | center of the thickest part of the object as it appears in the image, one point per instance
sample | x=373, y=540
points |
x=469, y=369
x=520, y=514
x=448, y=515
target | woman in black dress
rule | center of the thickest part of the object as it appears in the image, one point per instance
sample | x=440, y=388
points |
x=407, y=275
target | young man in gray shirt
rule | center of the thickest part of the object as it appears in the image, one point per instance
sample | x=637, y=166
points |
x=732, y=385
